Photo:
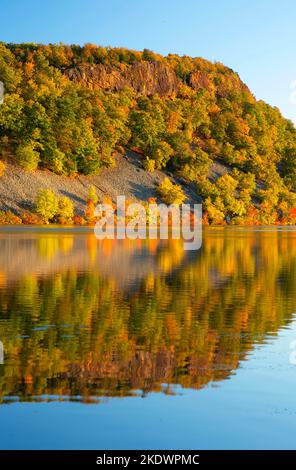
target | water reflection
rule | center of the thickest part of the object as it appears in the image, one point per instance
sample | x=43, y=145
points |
x=80, y=319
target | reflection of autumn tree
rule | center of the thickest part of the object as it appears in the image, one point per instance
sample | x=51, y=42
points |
x=48, y=246
x=77, y=334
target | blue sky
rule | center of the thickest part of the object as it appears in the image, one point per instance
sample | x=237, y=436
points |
x=257, y=38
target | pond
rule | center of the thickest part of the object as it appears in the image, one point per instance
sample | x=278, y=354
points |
x=142, y=345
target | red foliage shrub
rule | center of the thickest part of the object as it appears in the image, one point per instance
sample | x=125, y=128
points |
x=9, y=218
x=30, y=218
x=79, y=220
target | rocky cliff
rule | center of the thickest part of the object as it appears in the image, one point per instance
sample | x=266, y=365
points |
x=146, y=78
x=150, y=78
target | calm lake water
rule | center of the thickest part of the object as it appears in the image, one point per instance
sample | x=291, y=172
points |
x=121, y=344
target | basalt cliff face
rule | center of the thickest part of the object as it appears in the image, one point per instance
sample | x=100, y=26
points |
x=151, y=78
x=222, y=85
x=146, y=78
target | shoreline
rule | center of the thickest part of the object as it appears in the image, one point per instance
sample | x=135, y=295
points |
x=90, y=228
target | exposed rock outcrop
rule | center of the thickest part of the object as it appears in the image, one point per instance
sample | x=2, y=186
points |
x=150, y=78
x=199, y=80
x=146, y=78
x=101, y=76
x=221, y=84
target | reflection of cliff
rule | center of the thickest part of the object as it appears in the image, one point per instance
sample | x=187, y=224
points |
x=78, y=333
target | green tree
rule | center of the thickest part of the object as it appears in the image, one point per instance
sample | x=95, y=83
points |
x=47, y=205
x=27, y=156
x=170, y=193
x=92, y=195
x=149, y=164
x=65, y=209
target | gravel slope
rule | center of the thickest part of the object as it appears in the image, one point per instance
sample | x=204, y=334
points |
x=18, y=188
